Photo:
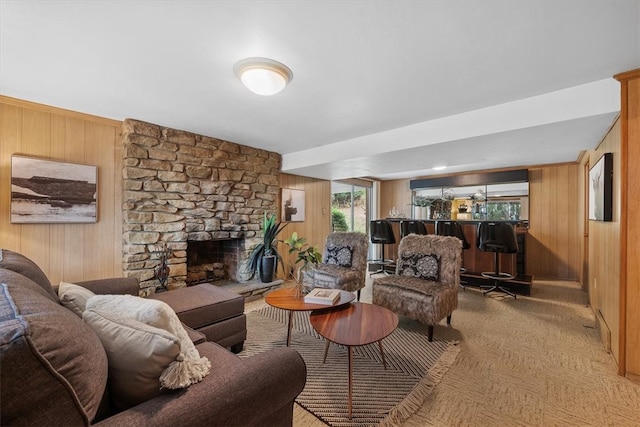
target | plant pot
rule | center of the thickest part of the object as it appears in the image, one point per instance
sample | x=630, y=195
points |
x=267, y=268
x=426, y=212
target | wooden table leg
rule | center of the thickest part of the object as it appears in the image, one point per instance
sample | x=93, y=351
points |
x=384, y=362
x=350, y=381
x=289, y=327
x=326, y=351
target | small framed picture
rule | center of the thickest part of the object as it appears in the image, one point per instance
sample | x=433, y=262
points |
x=45, y=191
x=292, y=205
x=601, y=189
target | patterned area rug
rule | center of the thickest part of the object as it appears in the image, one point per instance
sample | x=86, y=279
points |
x=381, y=396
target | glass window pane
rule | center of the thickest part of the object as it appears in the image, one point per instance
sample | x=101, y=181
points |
x=349, y=208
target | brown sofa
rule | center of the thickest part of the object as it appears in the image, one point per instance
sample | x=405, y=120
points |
x=54, y=370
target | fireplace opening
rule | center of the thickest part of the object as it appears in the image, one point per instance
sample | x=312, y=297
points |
x=213, y=261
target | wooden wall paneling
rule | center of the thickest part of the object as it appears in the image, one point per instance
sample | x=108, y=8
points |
x=551, y=268
x=117, y=202
x=604, y=248
x=57, y=231
x=552, y=233
x=96, y=134
x=317, y=223
x=63, y=251
x=393, y=194
x=36, y=141
x=629, y=314
x=73, y=244
x=564, y=227
x=633, y=228
x=10, y=143
x=537, y=254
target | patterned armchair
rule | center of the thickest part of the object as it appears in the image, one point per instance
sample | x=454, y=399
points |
x=425, y=286
x=344, y=263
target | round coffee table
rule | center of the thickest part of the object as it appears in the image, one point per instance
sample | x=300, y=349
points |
x=289, y=299
x=352, y=325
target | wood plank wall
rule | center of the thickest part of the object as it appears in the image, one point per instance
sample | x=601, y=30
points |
x=603, y=281
x=317, y=223
x=554, y=225
x=70, y=252
x=629, y=313
x=393, y=194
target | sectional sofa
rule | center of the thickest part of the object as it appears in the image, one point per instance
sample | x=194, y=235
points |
x=55, y=369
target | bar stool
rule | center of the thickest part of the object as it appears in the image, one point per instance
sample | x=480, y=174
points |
x=381, y=234
x=497, y=237
x=410, y=226
x=454, y=229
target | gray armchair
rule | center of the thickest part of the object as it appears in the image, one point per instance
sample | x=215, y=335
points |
x=425, y=286
x=344, y=264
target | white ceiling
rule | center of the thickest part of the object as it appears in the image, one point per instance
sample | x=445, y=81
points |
x=384, y=89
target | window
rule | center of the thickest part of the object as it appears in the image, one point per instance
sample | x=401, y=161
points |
x=350, y=207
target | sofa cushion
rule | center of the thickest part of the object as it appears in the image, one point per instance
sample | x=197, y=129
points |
x=339, y=255
x=60, y=353
x=22, y=265
x=186, y=367
x=202, y=305
x=74, y=297
x=137, y=354
x=422, y=266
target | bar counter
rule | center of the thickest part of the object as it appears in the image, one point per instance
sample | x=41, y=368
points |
x=474, y=260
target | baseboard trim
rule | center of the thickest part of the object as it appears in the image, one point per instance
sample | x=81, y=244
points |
x=603, y=331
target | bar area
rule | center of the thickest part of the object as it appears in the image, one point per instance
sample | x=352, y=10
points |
x=466, y=202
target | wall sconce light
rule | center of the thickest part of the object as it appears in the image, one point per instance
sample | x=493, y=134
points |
x=263, y=76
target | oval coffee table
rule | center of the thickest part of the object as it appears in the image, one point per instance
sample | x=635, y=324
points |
x=352, y=325
x=289, y=299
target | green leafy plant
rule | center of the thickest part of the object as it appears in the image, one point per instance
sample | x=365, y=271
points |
x=306, y=253
x=338, y=220
x=271, y=227
x=422, y=201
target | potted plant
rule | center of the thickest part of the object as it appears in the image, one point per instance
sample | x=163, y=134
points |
x=306, y=254
x=423, y=205
x=264, y=256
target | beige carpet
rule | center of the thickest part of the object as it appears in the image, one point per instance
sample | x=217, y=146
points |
x=535, y=361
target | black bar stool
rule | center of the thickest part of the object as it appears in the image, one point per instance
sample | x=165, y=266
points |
x=454, y=228
x=411, y=226
x=382, y=234
x=497, y=237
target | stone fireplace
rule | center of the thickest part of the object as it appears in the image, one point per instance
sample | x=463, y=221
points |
x=180, y=188
x=214, y=260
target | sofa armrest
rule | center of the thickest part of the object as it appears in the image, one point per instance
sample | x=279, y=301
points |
x=196, y=337
x=116, y=285
x=259, y=390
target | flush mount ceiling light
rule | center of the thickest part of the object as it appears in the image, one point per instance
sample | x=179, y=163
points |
x=263, y=76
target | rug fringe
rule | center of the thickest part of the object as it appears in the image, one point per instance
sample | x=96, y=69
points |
x=416, y=398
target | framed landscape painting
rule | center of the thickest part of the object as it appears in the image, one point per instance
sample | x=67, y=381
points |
x=44, y=191
x=292, y=205
x=601, y=189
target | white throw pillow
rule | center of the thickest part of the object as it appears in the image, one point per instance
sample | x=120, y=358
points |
x=137, y=355
x=188, y=367
x=74, y=297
